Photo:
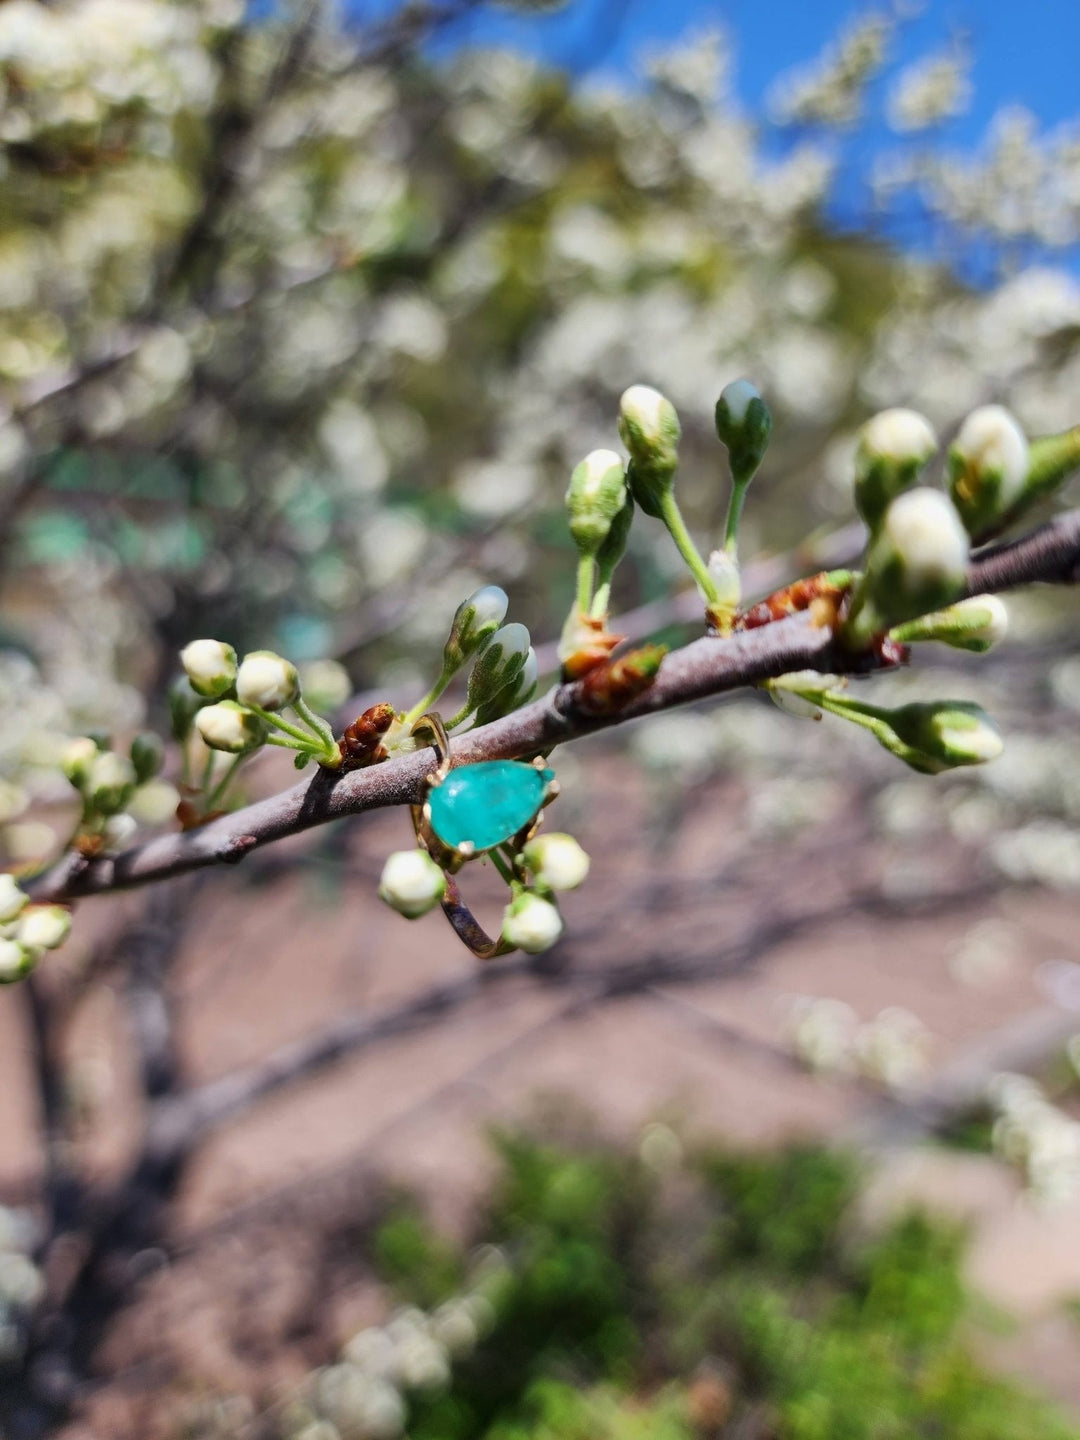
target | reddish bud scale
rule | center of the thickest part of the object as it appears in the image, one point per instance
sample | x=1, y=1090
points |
x=608, y=688
x=361, y=741
x=594, y=645
x=801, y=595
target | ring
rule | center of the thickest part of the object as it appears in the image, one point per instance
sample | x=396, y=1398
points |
x=478, y=809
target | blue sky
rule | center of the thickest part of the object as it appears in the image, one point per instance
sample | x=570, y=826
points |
x=1023, y=53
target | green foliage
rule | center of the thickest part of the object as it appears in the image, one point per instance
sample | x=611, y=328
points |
x=781, y=1212
x=614, y=1292
x=423, y=1267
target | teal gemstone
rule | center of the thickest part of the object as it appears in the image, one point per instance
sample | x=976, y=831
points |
x=487, y=803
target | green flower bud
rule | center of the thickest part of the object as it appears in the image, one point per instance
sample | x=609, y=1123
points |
x=16, y=962
x=111, y=782
x=893, y=449
x=596, y=495
x=517, y=693
x=44, y=927
x=210, y=666
x=184, y=705
x=12, y=898
x=987, y=468
x=267, y=680
x=147, y=756
x=475, y=621
x=917, y=562
x=649, y=428
x=76, y=760
x=613, y=547
x=228, y=726
x=973, y=624
x=498, y=670
x=411, y=883
x=557, y=861
x=531, y=923
x=1053, y=459
x=743, y=424
x=941, y=736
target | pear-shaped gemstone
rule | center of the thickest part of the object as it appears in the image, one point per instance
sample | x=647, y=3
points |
x=487, y=803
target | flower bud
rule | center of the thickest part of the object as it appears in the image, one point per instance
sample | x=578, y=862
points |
x=613, y=547
x=16, y=962
x=475, y=621
x=76, y=759
x=916, y=563
x=228, y=726
x=531, y=923
x=557, y=861
x=973, y=624
x=325, y=685
x=519, y=692
x=411, y=883
x=184, y=704
x=930, y=737
x=111, y=782
x=943, y=735
x=724, y=572
x=44, y=927
x=266, y=680
x=12, y=898
x=499, y=666
x=987, y=467
x=119, y=830
x=147, y=756
x=1054, y=458
x=743, y=424
x=596, y=495
x=210, y=666
x=893, y=448
x=650, y=430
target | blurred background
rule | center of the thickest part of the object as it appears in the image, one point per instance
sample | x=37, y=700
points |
x=307, y=313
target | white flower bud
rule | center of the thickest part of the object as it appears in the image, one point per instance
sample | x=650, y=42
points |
x=973, y=624
x=111, y=782
x=557, y=861
x=916, y=563
x=496, y=677
x=12, y=898
x=649, y=428
x=988, y=465
x=475, y=621
x=724, y=572
x=210, y=666
x=893, y=448
x=531, y=923
x=228, y=726
x=596, y=495
x=76, y=759
x=266, y=680
x=15, y=961
x=119, y=830
x=925, y=532
x=44, y=927
x=411, y=883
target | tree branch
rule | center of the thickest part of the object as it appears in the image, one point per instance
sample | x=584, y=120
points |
x=705, y=667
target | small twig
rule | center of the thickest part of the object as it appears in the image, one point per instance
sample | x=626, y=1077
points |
x=705, y=667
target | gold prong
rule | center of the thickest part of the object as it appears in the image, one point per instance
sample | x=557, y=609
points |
x=467, y=849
